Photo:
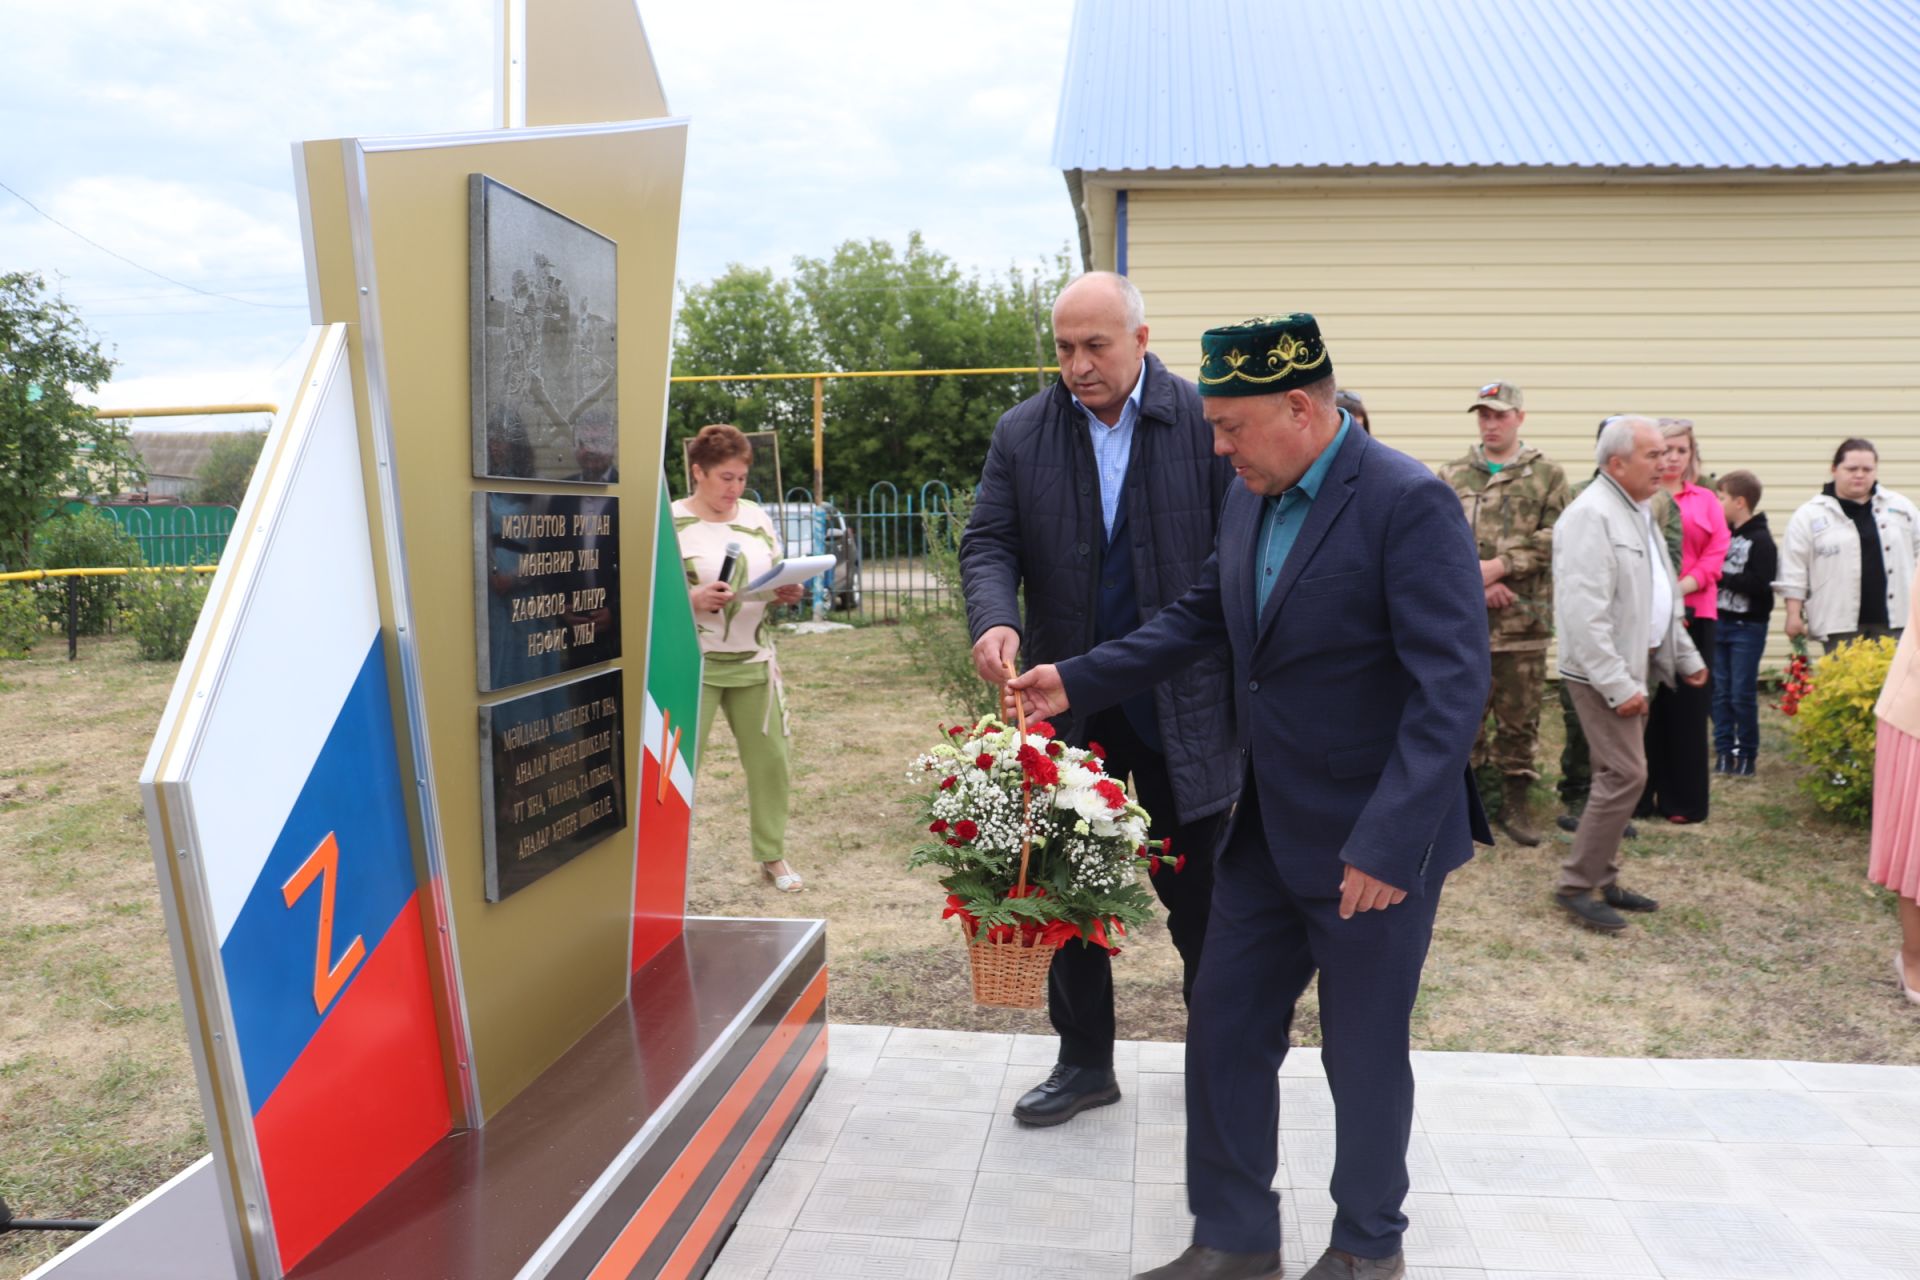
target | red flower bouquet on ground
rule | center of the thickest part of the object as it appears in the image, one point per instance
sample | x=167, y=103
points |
x=1039, y=847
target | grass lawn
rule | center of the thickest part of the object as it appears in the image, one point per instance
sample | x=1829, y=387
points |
x=1770, y=943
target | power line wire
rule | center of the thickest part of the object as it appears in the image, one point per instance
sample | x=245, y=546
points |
x=194, y=288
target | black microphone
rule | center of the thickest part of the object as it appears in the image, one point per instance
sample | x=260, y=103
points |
x=728, y=561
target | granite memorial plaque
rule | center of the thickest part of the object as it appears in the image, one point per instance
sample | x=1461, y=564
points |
x=547, y=584
x=553, y=769
x=544, y=332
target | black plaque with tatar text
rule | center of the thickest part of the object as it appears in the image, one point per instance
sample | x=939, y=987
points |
x=547, y=584
x=553, y=770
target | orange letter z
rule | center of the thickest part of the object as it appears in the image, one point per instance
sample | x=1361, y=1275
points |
x=323, y=864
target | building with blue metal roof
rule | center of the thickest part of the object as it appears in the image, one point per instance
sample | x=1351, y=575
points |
x=1699, y=208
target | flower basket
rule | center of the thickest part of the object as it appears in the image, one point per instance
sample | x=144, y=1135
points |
x=1039, y=848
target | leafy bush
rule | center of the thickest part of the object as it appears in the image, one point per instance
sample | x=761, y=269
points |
x=936, y=634
x=83, y=540
x=223, y=476
x=159, y=610
x=20, y=621
x=1834, y=729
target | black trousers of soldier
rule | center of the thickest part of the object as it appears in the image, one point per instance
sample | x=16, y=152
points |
x=1080, y=984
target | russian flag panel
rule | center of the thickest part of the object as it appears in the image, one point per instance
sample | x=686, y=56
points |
x=301, y=816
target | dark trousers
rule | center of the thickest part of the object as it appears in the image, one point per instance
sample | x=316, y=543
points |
x=1080, y=984
x=1679, y=774
x=1736, y=687
x=1270, y=932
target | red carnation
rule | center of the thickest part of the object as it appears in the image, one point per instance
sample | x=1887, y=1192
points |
x=937, y=825
x=983, y=761
x=1153, y=867
x=1180, y=864
x=958, y=731
x=1166, y=845
x=1040, y=729
x=1099, y=752
x=1112, y=792
x=1040, y=771
x=966, y=828
x=954, y=842
x=946, y=783
x=1056, y=749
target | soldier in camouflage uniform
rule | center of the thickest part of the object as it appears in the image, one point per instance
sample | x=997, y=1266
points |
x=1576, y=767
x=1512, y=494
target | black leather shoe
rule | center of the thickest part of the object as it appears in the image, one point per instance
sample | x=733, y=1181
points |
x=1202, y=1263
x=1065, y=1094
x=1627, y=899
x=1591, y=912
x=1567, y=822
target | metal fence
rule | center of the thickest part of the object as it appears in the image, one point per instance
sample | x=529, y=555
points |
x=887, y=550
x=181, y=535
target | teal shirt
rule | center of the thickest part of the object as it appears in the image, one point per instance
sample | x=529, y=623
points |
x=1280, y=523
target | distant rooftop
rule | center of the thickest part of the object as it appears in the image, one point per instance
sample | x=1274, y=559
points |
x=1658, y=84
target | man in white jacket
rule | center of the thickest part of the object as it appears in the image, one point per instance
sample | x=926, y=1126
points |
x=1846, y=562
x=1619, y=617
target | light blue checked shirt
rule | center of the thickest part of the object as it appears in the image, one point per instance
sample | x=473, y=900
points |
x=1112, y=446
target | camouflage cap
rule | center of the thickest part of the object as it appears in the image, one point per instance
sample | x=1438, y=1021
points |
x=1500, y=396
x=1262, y=356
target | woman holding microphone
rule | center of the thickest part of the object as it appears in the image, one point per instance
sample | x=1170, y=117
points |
x=719, y=528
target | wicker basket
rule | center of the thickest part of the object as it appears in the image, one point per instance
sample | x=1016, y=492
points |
x=1010, y=974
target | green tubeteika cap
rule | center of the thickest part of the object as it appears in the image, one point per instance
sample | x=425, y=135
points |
x=1262, y=356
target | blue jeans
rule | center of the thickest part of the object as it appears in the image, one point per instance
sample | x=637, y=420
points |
x=1736, y=698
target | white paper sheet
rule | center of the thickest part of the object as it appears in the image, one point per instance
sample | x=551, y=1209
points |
x=795, y=569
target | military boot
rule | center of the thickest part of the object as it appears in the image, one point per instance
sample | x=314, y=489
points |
x=1516, y=812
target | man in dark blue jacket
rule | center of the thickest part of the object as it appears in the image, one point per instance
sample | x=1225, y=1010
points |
x=1100, y=498
x=1347, y=589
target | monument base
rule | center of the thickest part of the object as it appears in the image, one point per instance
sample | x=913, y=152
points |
x=630, y=1156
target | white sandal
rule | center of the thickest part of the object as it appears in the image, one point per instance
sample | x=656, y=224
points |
x=785, y=881
x=1900, y=975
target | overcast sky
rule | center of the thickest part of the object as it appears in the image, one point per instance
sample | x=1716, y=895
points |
x=161, y=131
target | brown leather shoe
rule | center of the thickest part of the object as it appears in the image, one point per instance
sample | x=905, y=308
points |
x=1201, y=1263
x=1338, y=1264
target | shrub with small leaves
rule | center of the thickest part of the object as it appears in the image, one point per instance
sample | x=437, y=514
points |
x=20, y=621
x=159, y=609
x=1834, y=730
x=83, y=540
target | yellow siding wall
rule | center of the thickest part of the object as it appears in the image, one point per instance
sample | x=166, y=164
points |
x=1781, y=316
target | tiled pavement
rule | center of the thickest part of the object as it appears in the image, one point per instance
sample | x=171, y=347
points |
x=907, y=1165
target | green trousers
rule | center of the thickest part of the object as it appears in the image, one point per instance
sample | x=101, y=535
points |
x=755, y=715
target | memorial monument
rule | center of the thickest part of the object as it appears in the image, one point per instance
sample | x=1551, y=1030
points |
x=420, y=799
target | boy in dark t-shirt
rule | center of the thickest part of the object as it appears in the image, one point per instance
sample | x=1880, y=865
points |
x=1746, y=603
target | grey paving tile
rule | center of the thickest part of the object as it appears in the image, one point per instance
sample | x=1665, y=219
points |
x=1553, y=1235
x=870, y=1201
x=942, y=1086
x=1724, y=1073
x=910, y=1138
x=1867, y=1246
x=1855, y=1077
x=1162, y=1227
x=781, y=1194
x=1307, y=1159
x=1062, y=1213
x=748, y=1254
x=1417, y=1272
x=1605, y=1111
x=826, y=1253
x=1436, y=1233
x=1883, y=1119
x=1161, y=1097
x=948, y=1046
x=1725, y=1242
x=813, y=1133
x=1635, y=1073
x=1035, y=1051
x=1488, y=1068
x=979, y=1260
x=1468, y=1107
x=1504, y=1164
x=1650, y=1169
x=1306, y=1102
x=1160, y=1153
x=1159, y=1055
x=1303, y=1060
x=1812, y=1178
x=841, y=1091
x=1767, y=1115
x=1905, y=1159
x=849, y=1044
x=1094, y=1144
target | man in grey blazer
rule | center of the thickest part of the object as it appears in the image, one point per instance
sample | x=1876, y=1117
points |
x=1347, y=590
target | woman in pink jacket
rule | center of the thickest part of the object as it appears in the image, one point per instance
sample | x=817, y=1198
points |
x=1677, y=747
x=1895, y=859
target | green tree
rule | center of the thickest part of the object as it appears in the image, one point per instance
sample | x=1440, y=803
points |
x=51, y=445
x=746, y=321
x=223, y=475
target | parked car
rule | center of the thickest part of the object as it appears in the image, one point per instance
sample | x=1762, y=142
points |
x=819, y=528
